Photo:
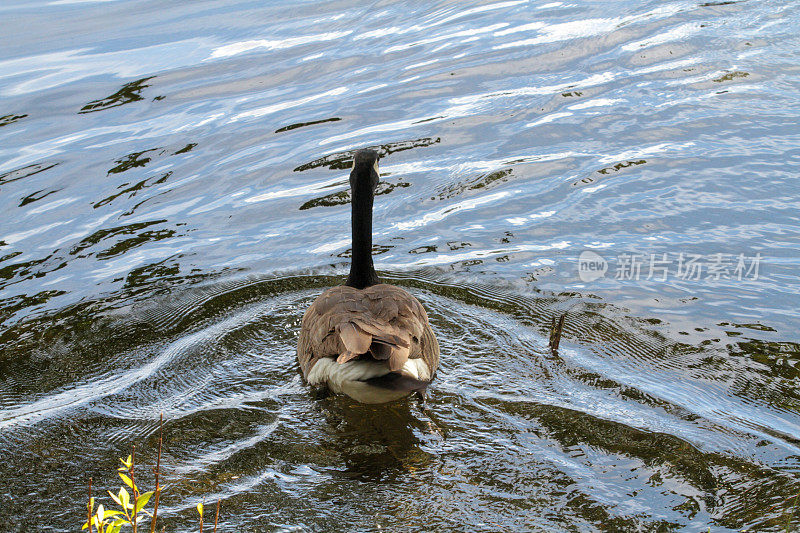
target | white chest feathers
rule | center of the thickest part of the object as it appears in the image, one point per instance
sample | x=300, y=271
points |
x=350, y=378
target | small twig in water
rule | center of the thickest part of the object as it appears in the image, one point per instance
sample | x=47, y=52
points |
x=157, y=473
x=133, y=488
x=90, y=506
x=216, y=518
x=555, y=333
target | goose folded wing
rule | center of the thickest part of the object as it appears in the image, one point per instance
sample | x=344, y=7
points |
x=354, y=339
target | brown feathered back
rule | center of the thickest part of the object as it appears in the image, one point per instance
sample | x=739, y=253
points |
x=344, y=322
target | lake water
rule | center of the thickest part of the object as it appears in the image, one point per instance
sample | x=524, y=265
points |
x=173, y=195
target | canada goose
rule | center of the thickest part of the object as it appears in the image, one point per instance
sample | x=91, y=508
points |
x=366, y=339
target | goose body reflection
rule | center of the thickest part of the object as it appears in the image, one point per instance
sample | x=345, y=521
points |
x=368, y=340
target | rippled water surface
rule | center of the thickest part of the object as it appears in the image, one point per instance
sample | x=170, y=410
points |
x=173, y=194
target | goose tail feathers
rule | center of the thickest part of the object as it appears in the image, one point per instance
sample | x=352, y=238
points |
x=361, y=337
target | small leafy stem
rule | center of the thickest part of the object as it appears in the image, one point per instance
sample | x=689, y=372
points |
x=133, y=485
x=132, y=507
x=112, y=520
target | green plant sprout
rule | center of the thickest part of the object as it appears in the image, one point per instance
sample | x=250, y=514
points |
x=200, y=510
x=200, y=507
x=133, y=511
x=132, y=503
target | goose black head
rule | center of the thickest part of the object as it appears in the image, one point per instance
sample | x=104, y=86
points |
x=365, y=173
x=363, y=181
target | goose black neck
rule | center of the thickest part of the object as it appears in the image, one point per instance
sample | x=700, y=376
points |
x=362, y=271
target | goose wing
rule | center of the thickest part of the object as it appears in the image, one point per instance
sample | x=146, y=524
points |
x=383, y=320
